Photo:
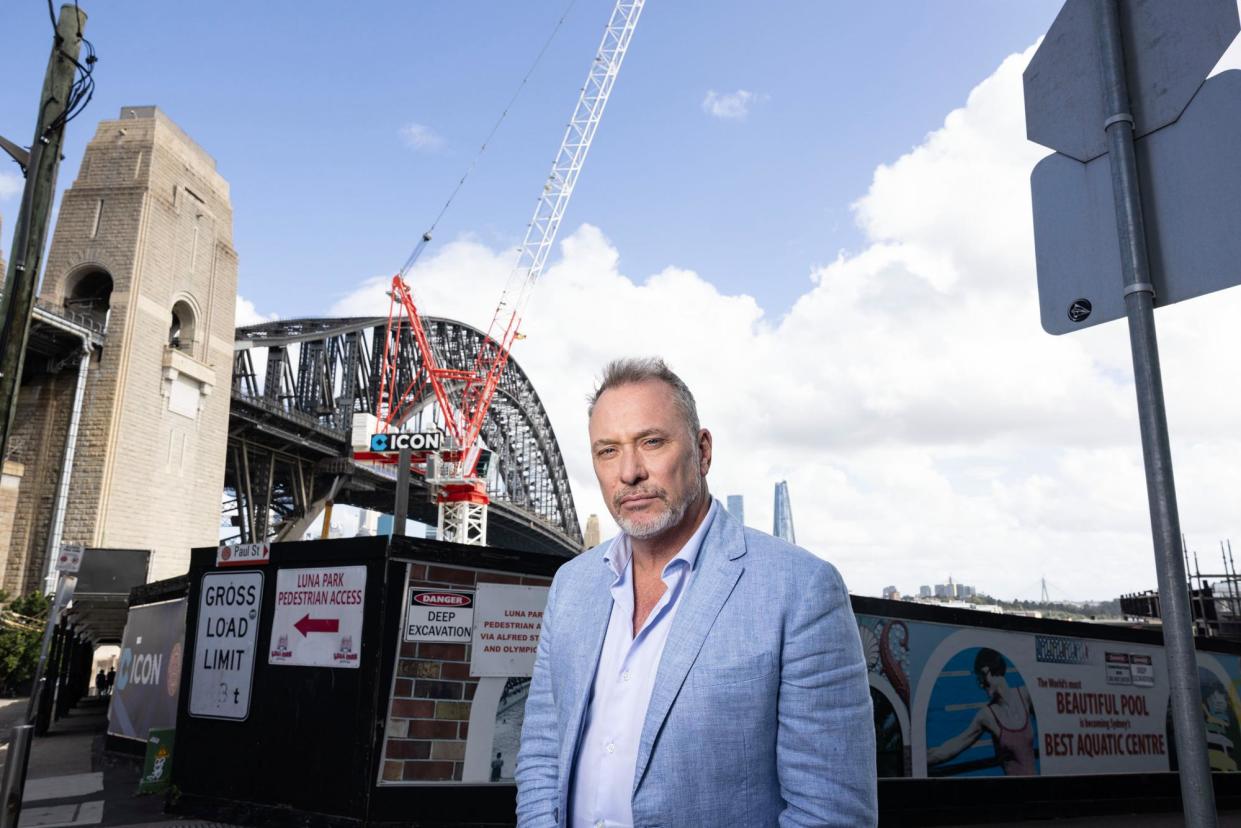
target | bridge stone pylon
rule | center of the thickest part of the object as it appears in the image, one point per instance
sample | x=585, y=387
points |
x=142, y=258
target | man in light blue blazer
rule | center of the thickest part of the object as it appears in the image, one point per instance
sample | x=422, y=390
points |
x=691, y=671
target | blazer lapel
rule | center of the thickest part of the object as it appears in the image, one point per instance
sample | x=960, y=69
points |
x=585, y=630
x=712, y=584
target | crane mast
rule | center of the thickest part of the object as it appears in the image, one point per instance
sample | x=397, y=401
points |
x=464, y=396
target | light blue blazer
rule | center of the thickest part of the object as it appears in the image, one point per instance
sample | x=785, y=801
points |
x=761, y=711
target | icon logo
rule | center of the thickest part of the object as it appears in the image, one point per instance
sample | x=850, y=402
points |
x=122, y=673
x=379, y=442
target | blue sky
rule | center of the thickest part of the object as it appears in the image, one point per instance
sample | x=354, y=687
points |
x=845, y=275
x=302, y=106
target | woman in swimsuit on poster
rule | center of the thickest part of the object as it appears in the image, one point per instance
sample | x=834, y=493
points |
x=1007, y=717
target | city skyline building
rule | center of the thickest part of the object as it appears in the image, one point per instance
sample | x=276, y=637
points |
x=592, y=538
x=782, y=523
x=950, y=590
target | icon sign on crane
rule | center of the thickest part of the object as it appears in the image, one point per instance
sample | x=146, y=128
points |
x=454, y=471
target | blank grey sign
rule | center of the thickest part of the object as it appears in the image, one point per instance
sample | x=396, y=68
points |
x=1191, y=200
x=1170, y=46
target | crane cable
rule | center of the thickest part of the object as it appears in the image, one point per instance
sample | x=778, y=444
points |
x=426, y=237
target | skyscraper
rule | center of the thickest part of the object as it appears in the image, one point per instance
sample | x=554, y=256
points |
x=736, y=508
x=783, y=524
x=592, y=531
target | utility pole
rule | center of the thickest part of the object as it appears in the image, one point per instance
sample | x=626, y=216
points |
x=39, y=165
x=30, y=232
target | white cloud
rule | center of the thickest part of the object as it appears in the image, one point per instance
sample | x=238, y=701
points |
x=732, y=106
x=925, y=423
x=11, y=184
x=244, y=313
x=421, y=138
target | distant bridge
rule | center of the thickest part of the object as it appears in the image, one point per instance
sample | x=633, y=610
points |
x=296, y=386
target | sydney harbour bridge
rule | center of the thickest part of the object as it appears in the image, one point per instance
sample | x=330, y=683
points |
x=296, y=385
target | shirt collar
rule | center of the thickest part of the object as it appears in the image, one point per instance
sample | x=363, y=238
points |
x=619, y=551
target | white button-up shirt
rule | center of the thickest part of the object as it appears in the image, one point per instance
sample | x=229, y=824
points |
x=607, y=757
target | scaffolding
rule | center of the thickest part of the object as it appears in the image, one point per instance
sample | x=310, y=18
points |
x=1214, y=597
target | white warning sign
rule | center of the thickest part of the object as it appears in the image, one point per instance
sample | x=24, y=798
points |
x=228, y=623
x=507, y=624
x=318, y=617
x=439, y=615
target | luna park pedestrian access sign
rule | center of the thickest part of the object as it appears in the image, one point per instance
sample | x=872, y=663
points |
x=318, y=617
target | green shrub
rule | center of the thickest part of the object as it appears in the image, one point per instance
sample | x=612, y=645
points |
x=22, y=620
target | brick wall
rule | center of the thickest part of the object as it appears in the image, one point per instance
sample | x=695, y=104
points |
x=38, y=442
x=429, y=712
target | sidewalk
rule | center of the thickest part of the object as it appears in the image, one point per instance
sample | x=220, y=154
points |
x=72, y=782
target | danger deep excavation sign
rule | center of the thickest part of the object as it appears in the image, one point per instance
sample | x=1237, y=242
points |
x=318, y=617
x=439, y=615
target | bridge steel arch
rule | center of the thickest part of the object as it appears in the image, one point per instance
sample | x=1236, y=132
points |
x=296, y=386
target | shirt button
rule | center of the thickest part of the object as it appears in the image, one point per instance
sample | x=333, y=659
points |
x=625, y=676
x=599, y=824
x=611, y=748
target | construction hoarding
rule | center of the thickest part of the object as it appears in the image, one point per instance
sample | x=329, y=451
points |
x=148, y=674
x=1040, y=698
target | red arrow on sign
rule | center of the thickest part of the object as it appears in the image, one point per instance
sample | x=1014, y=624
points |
x=308, y=625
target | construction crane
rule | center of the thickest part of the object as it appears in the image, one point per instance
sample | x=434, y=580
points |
x=450, y=460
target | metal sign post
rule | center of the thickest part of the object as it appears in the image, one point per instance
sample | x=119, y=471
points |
x=64, y=592
x=1102, y=85
x=13, y=781
x=1189, y=730
x=400, y=509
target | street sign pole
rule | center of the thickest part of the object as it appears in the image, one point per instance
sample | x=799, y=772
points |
x=1191, y=750
x=68, y=581
x=400, y=509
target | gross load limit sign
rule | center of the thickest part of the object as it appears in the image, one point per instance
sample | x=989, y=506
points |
x=318, y=617
x=228, y=623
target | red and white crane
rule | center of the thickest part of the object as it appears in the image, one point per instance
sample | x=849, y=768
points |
x=463, y=396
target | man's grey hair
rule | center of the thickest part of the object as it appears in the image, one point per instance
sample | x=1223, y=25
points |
x=631, y=370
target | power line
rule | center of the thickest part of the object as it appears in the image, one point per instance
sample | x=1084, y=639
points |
x=426, y=237
x=83, y=88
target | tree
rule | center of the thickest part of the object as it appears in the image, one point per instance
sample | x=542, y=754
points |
x=21, y=634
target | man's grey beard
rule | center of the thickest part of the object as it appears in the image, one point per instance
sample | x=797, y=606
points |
x=672, y=515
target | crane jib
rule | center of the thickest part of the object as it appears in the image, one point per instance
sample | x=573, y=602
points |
x=463, y=398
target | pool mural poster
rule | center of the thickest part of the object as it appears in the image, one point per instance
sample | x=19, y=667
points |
x=953, y=701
